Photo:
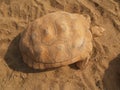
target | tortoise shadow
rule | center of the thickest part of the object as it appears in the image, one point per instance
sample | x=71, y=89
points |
x=111, y=78
x=14, y=60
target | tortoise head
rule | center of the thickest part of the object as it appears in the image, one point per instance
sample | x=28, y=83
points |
x=97, y=31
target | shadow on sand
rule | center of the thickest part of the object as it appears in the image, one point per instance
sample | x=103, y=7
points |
x=14, y=59
x=111, y=79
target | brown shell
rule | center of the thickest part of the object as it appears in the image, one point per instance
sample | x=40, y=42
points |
x=56, y=39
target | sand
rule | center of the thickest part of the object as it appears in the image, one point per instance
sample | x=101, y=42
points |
x=103, y=70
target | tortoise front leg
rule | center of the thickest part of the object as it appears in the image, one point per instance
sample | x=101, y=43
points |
x=82, y=64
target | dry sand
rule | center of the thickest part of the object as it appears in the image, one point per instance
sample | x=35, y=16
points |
x=103, y=71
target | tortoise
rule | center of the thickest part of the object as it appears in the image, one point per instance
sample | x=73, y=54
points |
x=58, y=39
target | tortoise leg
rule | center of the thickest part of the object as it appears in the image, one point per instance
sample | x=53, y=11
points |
x=82, y=64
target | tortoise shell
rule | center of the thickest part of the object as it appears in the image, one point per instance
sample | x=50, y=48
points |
x=56, y=39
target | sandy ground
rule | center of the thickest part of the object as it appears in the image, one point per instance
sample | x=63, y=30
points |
x=103, y=71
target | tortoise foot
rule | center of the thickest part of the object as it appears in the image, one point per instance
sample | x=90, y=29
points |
x=82, y=64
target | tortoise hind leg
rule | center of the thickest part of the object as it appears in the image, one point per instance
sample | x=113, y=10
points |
x=82, y=64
